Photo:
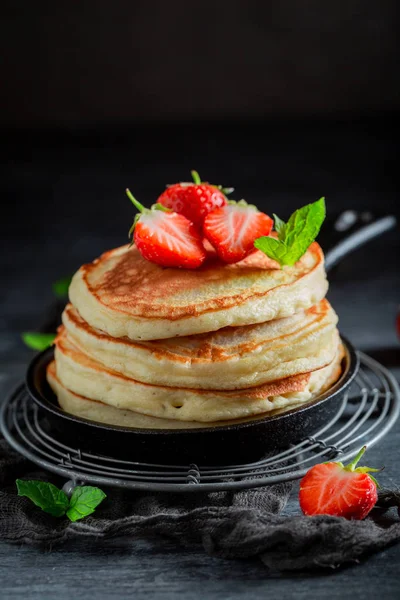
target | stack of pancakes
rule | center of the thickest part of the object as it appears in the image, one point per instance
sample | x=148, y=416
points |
x=153, y=347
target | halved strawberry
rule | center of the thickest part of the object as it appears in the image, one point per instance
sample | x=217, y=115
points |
x=166, y=238
x=194, y=200
x=233, y=229
x=333, y=489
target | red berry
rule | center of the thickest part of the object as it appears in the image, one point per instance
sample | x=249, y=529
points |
x=166, y=238
x=333, y=489
x=193, y=200
x=233, y=229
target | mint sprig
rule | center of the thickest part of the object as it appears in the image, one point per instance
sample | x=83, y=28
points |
x=54, y=501
x=61, y=286
x=295, y=236
x=38, y=341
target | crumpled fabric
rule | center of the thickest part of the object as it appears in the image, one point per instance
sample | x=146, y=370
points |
x=227, y=524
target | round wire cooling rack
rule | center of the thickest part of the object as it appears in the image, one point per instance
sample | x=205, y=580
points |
x=368, y=410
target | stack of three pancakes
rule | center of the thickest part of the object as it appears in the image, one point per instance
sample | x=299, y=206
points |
x=146, y=346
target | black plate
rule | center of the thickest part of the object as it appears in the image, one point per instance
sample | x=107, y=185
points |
x=227, y=444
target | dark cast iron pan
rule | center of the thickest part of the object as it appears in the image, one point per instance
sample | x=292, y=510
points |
x=239, y=442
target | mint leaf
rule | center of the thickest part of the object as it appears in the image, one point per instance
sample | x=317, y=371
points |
x=305, y=223
x=60, y=287
x=279, y=226
x=273, y=248
x=54, y=501
x=83, y=502
x=38, y=341
x=295, y=236
x=45, y=495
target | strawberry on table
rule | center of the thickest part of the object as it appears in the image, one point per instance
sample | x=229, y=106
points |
x=333, y=489
x=233, y=229
x=165, y=237
x=194, y=200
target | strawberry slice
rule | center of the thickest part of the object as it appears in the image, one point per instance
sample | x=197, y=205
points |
x=233, y=229
x=194, y=200
x=333, y=489
x=166, y=238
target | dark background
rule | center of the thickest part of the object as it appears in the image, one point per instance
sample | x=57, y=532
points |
x=101, y=63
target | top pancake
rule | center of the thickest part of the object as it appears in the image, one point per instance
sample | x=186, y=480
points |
x=123, y=294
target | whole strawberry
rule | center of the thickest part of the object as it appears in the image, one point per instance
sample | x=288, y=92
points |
x=165, y=237
x=333, y=489
x=194, y=200
x=233, y=229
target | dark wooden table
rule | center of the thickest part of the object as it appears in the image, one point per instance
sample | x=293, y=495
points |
x=63, y=203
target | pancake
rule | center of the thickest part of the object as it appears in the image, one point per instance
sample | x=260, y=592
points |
x=125, y=295
x=87, y=377
x=231, y=358
x=102, y=413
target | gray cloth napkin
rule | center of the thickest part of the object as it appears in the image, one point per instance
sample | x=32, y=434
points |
x=231, y=525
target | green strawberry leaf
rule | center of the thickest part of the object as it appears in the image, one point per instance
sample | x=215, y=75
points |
x=225, y=190
x=38, y=341
x=61, y=286
x=83, y=502
x=45, y=495
x=295, y=236
x=374, y=480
